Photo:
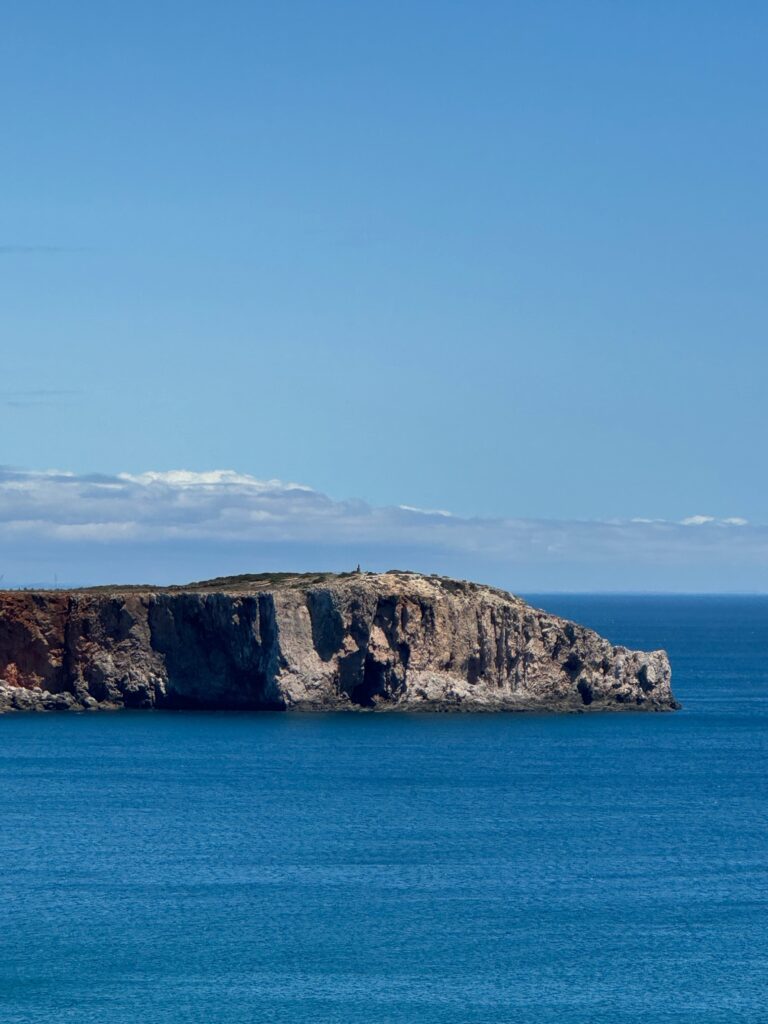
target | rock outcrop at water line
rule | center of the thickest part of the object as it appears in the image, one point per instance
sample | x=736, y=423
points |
x=390, y=641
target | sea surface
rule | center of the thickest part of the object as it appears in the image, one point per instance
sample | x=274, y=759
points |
x=410, y=869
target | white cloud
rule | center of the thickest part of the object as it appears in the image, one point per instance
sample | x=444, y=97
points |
x=223, y=507
x=182, y=479
x=426, y=511
x=708, y=521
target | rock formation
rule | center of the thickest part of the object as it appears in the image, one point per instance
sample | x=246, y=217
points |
x=395, y=640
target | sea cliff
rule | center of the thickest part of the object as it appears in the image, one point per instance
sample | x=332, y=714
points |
x=395, y=640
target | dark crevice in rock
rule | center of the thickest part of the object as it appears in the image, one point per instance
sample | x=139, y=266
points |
x=327, y=623
x=642, y=677
x=585, y=691
x=373, y=685
x=573, y=665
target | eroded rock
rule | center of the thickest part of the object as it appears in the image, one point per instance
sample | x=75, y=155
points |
x=397, y=641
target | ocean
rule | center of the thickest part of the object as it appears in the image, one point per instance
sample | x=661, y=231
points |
x=216, y=868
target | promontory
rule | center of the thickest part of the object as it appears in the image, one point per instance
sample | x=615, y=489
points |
x=396, y=641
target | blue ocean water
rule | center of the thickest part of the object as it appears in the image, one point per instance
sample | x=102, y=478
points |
x=423, y=869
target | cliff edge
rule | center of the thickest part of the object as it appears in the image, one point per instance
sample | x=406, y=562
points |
x=395, y=640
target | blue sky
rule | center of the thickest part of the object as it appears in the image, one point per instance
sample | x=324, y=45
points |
x=505, y=260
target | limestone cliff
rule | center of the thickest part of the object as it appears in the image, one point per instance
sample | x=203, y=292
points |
x=394, y=640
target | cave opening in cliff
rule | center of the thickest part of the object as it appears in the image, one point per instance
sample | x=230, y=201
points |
x=585, y=690
x=374, y=684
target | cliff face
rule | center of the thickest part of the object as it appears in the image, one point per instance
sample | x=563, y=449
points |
x=360, y=641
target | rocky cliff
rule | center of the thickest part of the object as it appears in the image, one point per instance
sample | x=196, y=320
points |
x=394, y=640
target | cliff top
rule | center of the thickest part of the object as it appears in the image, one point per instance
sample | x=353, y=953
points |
x=249, y=583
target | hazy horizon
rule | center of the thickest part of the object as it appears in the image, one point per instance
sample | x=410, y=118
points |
x=59, y=529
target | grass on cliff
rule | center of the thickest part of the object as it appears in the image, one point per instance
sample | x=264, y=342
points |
x=249, y=582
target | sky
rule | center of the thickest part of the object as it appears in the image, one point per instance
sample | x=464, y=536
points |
x=501, y=260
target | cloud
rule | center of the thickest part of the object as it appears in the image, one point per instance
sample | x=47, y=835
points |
x=426, y=511
x=707, y=521
x=216, y=478
x=211, y=511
